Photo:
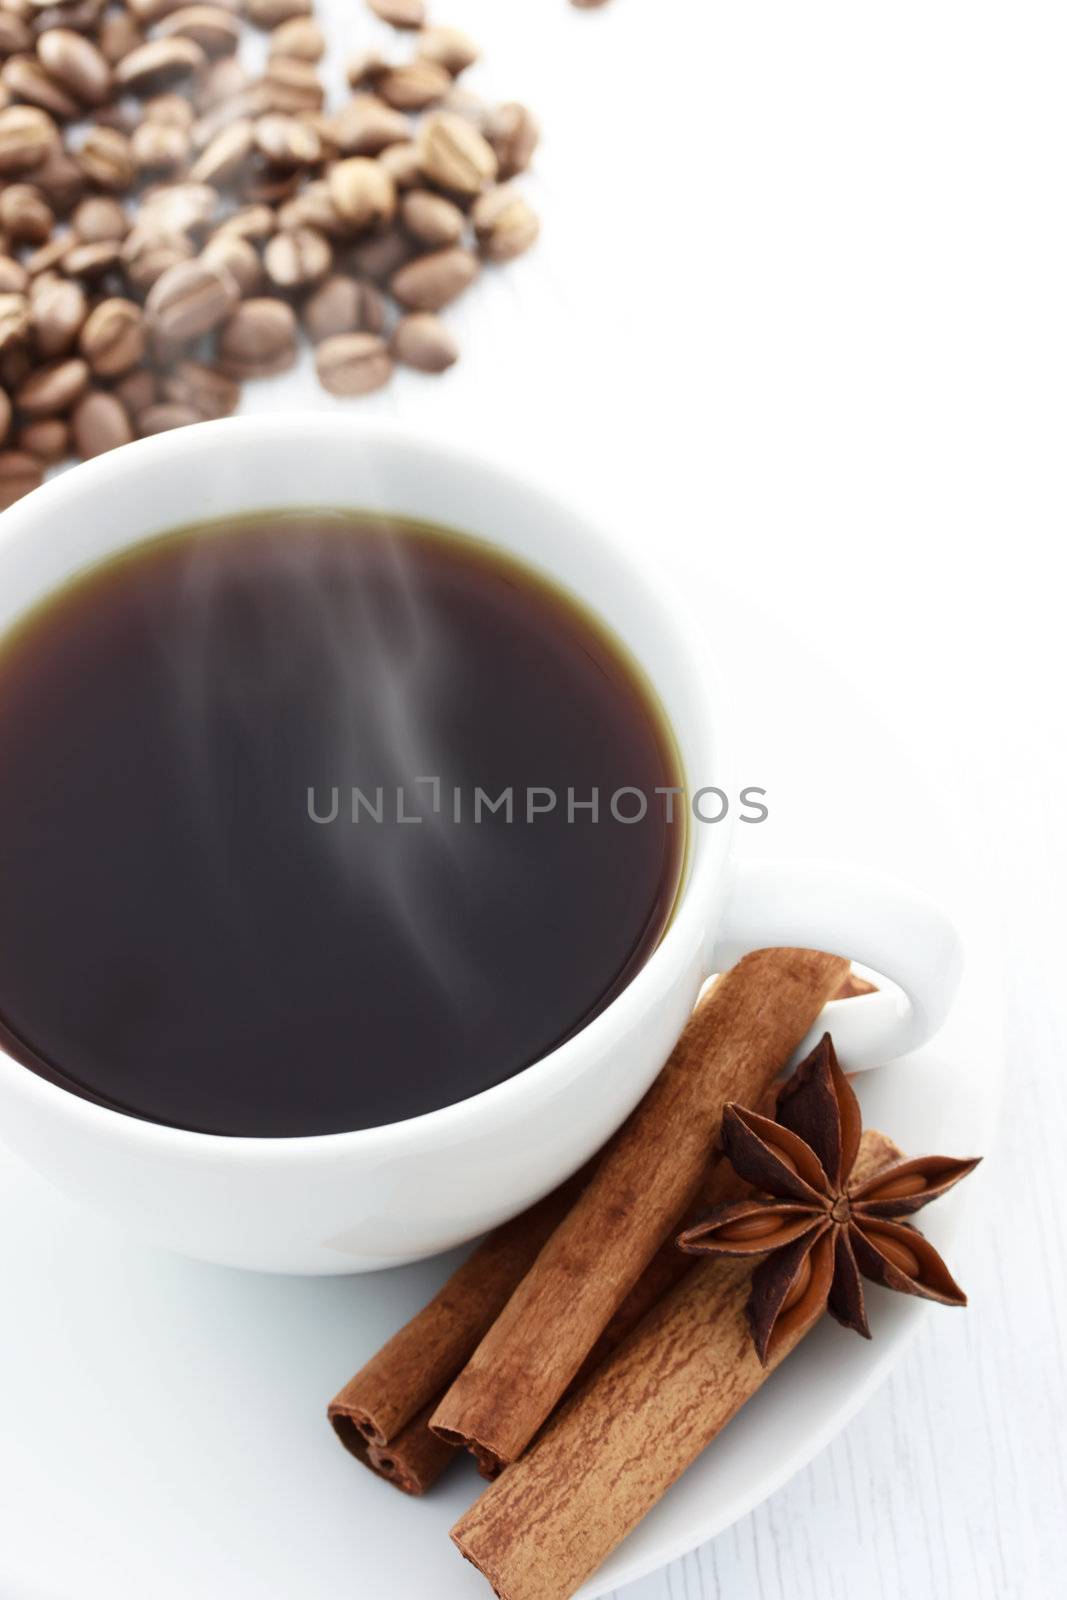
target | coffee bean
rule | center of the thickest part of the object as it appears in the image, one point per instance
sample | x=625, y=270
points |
x=14, y=279
x=14, y=319
x=258, y=340
x=5, y=406
x=57, y=312
x=293, y=85
x=379, y=256
x=99, y=422
x=225, y=154
x=313, y=208
x=254, y=222
x=353, y=363
x=148, y=252
x=504, y=224
x=213, y=28
x=205, y=389
x=48, y=440
x=514, y=135
x=26, y=80
x=454, y=154
x=180, y=207
x=16, y=364
x=82, y=16
x=401, y=161
x=137, y=390
x=60, y=180
x=366, y=125
x=363, y=193
x=154, y=66
x=92, y=261
x=430, y=218
x=163, y=416
x=52, y=390
x=118, y=35
x=435, y=280
x=294, y=260
x=47, y=257
x=421, y=340
x=172, y=109
x=238, y=258
x=25, y=215
x=414, y=86
x=287, y=141
x=98, y=218
x=107, y=159
x=366, y=67
x=225, y=79
x=14, y=34
x=343, y=305
x=160, y=147
x=450, y=48
x=75, y=62
x=272, y=13
x=190, y=299
x=400, y=13
x=112, y=339
x=27, y=135
x=300, y=38
x=19, y=473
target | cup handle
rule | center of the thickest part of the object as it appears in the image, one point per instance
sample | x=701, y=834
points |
x=869, y=917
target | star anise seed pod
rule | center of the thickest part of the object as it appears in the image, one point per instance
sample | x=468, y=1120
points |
x=818, y=1230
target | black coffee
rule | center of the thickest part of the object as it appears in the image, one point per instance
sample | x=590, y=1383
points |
x=215, y=909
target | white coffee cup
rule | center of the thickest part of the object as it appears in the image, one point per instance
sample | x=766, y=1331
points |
x=350, y=1202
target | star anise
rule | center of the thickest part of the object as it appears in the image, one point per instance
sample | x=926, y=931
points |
x=819, y=1229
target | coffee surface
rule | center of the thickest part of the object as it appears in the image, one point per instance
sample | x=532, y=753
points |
x=201, y=924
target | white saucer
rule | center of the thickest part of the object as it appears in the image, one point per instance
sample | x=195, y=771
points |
x=164, y=1428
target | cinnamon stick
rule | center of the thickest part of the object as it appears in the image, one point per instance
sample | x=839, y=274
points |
x=740, y=1036
x=381, y=1415
x=552, y=1518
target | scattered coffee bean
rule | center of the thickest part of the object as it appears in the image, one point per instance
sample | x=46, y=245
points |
x=353, y=363
x=47, y=257
x=14, y=319
x=363, y=193
x=402, y=163
x=51, y=390
x=449, y=48
x=343, y=305
x=225, y=154
x=172, y=109
x=366, y=126
x=107, y=159
x=433, y=281
x=160, y=147
x=431, y=219
x=27, y=134
x=156, y=65
x=163, y=416
x=99, y=218
x=215, y=29
x=14, y=279
x=137, y=390
x=514, y=135
x=57, y=311
x=272, y=13
x=414, y=86
x=14, y=34
x=206, y=390
x=76, y=63
x=258, y=340
x=237, y=257
x=112, y=338
x=379, y=256
x=455, y=155
x=293, y=85
x=504, y=224
x=60, y=180
x=255, y=222
x=48, y=440
x=190, y=299
x=25, y=215
x=26, y=80
x=99, y=422
x=148, y=252
x=400, y=13
x=92, y=261
x=294, y=260
x=300, y=38
x=19, y=473
x=421, y=340
x=287, y=141
x=119, y=34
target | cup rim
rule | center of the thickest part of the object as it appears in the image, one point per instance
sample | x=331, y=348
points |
x=688, y=930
